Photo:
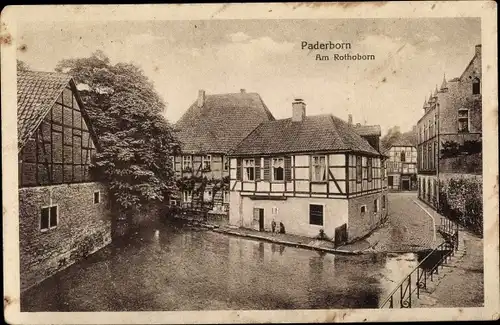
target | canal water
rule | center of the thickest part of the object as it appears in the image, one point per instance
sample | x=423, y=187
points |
x=174, y=267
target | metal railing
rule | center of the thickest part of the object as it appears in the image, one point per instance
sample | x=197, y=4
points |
x=410, y=287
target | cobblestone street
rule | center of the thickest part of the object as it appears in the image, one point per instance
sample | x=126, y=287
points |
x=408, y=227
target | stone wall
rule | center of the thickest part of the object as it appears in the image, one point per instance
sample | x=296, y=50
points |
x=83, y=228
x=361, y=224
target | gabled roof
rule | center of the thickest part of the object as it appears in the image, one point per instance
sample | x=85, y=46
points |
x=313, y=133
x=402, y=142
x=36, y=94
x=368, y=130
x=221, y=123
x=398, y=143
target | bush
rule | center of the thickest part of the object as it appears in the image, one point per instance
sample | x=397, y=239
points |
x=461, y=200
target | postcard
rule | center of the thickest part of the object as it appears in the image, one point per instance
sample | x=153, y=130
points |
x=250, y=163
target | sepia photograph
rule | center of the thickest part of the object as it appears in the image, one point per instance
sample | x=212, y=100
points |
x=215, y=159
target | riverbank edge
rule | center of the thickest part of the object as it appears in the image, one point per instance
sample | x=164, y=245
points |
x=287, y=243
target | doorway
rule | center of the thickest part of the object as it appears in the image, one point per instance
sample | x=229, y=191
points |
x=261, y=219
x=406, y=185
x=258, y=217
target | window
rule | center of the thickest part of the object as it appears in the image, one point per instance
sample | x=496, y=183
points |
x=318, y=168
x=274, y=210
x=476, y=86
x=463, y=120
x=249, y=169
x=206, y=162
x=375, y=206
x=359, y=170
x=435, y=153
x=316, y=214
x=186, y=163
x=226, y=163
x=187, y=196
x=97, y=197
x=429, y=158
x=225, y=196
x=436, y=122
x=370, y=169
x=173, y=203
x=383, y=201
x=48, y=217
x=278, y=168
x=403, y=156
x=390, y=180
x=363, y=210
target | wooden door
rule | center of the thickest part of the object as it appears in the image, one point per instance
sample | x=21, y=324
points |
x=261, y=219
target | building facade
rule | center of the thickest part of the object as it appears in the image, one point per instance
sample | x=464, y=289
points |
x=310, y=173
x=402, y=167
x=212, y=126
x=450, y=131
x=63, y=211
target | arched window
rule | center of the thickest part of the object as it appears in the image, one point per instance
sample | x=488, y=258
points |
x=476, y=86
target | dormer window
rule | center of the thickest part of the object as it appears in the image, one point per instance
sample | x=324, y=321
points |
x=476, y=86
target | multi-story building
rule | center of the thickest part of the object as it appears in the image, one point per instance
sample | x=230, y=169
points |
x=310, y=173
x=63, y=211
x=401, y=166
x=212, y=126
x=449, y=132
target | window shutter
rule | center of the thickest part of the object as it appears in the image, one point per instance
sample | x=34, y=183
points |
x=267, y=174
x=288, y=168
x=238, y=169
x=257, y=168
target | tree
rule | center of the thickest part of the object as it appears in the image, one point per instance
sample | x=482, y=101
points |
x=22, y=66
x=136, y=142
x=394, y=135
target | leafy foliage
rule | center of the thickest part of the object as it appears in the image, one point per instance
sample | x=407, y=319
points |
x=136, y=141
x=461, y=200
x=394, y=135
x=468, y=147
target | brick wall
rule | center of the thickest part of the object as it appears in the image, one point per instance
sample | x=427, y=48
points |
x=360, y=225
x=83, y=228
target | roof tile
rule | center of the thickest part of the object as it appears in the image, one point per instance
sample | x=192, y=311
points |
x=314, y=133
x=221, y=123
x=36, y=93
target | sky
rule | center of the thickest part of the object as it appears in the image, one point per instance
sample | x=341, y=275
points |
x=265, y=56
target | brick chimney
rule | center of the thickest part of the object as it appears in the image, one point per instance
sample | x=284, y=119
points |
x=349, y=120
x=298, y=110
x=243, y=91
x=201, y=98
x=478, y=49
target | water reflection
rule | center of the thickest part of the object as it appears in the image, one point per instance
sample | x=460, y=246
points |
x=174, y=268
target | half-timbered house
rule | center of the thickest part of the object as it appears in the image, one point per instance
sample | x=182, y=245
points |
x=63, y=210
x=212, y=126
x=310, y=173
